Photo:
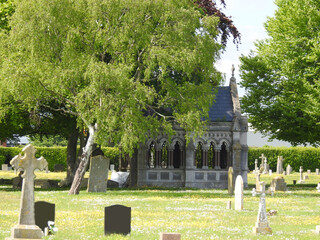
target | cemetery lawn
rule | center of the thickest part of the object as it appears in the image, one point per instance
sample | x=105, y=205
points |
x=195, y=214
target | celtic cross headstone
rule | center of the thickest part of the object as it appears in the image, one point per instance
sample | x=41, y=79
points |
x=26, y=228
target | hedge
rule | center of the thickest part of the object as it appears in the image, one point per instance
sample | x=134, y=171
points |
x=308, y=157
x=54, y=155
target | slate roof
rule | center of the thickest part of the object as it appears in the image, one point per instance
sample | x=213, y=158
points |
x=222, y=108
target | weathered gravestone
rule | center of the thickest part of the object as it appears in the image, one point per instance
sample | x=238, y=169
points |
x=257, y=180
x=317, y=171
x=170, y=236
x=26, y=228
x=280, y=165
x=98, y=178
x=230, y=181
x=117, y=220
x=308, y=171
x=238, y=202
x=111, y=167
x=44, y=212
x=4, y=167
x=278, y=184
x=262, y=225
x=289, y=169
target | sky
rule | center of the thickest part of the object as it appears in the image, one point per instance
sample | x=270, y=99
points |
x=249, y=17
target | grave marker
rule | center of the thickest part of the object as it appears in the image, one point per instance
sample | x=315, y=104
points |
x=170, y=236
x=280, y=165
x=308, y=171
x=44, y=212
x=230, y=181
x=262, y=225
x=317, y=171
x=301, y=175
x=289, y=169
x=117, y=219
x=278, y=184
x=4, y=167
x=98, y=177
x=238, y=203
x=26, y=227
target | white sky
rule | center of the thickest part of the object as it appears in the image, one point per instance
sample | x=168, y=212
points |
x=249, y=17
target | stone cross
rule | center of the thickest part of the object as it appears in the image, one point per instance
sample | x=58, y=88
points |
x=27, y=163
x=262, y=225
x=280, y=165
x=262, y=159
x=301, y=175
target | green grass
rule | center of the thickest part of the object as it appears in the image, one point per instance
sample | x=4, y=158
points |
x=196, y=214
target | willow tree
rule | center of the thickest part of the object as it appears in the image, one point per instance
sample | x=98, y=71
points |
x=124, y=69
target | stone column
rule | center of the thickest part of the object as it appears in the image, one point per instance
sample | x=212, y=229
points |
x=217, y=158
x=204, y=158
x=170, y=157
x=158, y=158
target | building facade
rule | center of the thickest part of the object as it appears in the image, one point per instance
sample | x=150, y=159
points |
x=203, y=162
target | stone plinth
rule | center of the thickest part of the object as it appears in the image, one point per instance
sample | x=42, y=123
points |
x=262, y=228
x=26, y=232
x=170, y=236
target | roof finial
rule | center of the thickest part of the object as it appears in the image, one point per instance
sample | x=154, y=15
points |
x=232, y=69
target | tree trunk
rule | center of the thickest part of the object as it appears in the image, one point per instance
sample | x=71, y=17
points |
x=84, y=161
x=71, y=155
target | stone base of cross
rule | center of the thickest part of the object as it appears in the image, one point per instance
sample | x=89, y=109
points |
x=26, y=232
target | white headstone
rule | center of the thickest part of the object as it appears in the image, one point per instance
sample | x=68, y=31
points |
x=317, y=171
x=280, y=165
x=289, y=169
x=119, y=177
x=238, y=202
x=318, y=229
x=28, y=163
x=318, y=187
x=270, y=172
x=309, y=171
x=111, y=167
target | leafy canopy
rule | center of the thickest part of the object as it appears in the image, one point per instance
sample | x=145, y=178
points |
x=130, y=67
x=282, y=74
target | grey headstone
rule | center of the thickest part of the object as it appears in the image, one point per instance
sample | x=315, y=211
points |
x=117, y=220
x=44, y=212
x=98, y=177
x=4, y=167
x=111, y=167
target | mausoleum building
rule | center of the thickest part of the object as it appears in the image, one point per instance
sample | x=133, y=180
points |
x=203, y=162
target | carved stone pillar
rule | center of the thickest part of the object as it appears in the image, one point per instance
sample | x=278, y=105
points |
x=205, y=158
x=170, y=157
x=217, y=159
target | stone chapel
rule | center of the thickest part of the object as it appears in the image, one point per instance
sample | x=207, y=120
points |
x=204, y=162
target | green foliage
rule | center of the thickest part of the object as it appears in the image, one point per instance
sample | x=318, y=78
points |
x=55, y=155
x=48, y=141
x=308, y=157
x=282, y=75
x=110, y=62
x=6, y=10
